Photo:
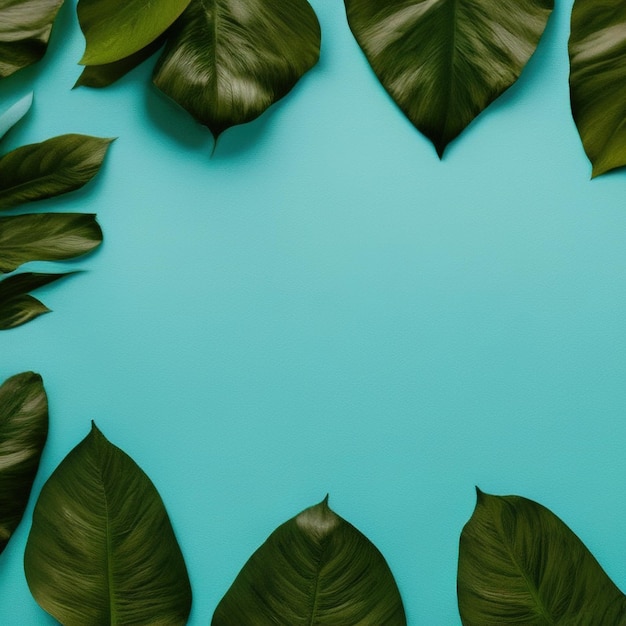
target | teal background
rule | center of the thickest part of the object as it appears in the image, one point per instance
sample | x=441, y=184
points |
x=324, y=306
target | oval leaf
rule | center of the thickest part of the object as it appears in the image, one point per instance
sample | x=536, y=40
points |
x=520, y=564
x=115, y=29
x=314, y=569
x=46, y=237
x=597, y=50
x=101, y=549
x=25, y=27
x=15, y=113
x=444, y=62
x=16, y=306
x=227, y=61
x=47, y=169
x=23, y=433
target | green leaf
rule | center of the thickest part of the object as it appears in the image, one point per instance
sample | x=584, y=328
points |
x=101, y=549
x=520, y=564
x=314, y=569
x=115, y=29
x=105, y=75
x=46, y=237
x=15, y=113
x=23, y=433
x=25, y=27
x=227, y=61
x=597, y=50
x=444, y=62
x=47, y=169
x=16, y=306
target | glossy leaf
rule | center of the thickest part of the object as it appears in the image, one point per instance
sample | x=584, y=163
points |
x=15, y=113
x=47, y=169
x=115, y=29
x=25, y=27
x=444, y=62
x=597, y=50
x=23, y=433
x=105, y=75
x=227, y=61
x=101, y=549
x=46, y=237
x=16, y=306
x=314, y=569
x=520, y=564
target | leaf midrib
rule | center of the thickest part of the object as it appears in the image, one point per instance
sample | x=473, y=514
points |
x=454, y=4
x=318, y=567
x=109, y=558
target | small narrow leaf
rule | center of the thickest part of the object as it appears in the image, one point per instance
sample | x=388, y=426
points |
x=46, y=237
x=15, y=113
x=314, y=569
x=115, y=29
x=16, y=306
x=444, y=62
x=101, y=549
x=23, y=433
x=597, y=50
x=227, y=61
x=105, y=75
x=520, y=564
x=25, y=27
x=47, y=169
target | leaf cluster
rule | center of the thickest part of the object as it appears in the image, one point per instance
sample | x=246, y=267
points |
x=36, y=172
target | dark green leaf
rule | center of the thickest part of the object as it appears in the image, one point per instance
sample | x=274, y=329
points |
x=105, y=75
x=101, y=549
x=444, y=62
x=46, y=237
x=597, y=50
x=227, y=61
x=16, y=307
x=25, y=27
x=520, y=564
x=47, y=169
x=15, y=113
x=314, y=569
x=23, y=432
x=115, y=29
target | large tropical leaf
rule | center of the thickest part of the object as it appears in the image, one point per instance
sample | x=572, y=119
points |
x=101, y=549
x=16, y=306
x=14, y=114
x=23, y=432
x=227, y=61
x=597, y=50
x=115, y=29
x=520, y=564
x=444, y=61
x=47, y=169
x=314, y=569
x=46, y=237
x=107, y=74
x=25, y=27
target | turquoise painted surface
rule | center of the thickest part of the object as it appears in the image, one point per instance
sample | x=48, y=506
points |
x=323, y=306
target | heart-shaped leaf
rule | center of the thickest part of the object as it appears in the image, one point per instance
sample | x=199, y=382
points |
x=50, y=168
x=46, y=237
x=227, y=61
x=314, y=569
x=105, y=75
x=520, y=564
x=444, y=62
x=16, y=306
x=23, y=433
x=101, y=549
x=14, y=114
x=597, y=50
x=25, y=27
x=115, y=29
